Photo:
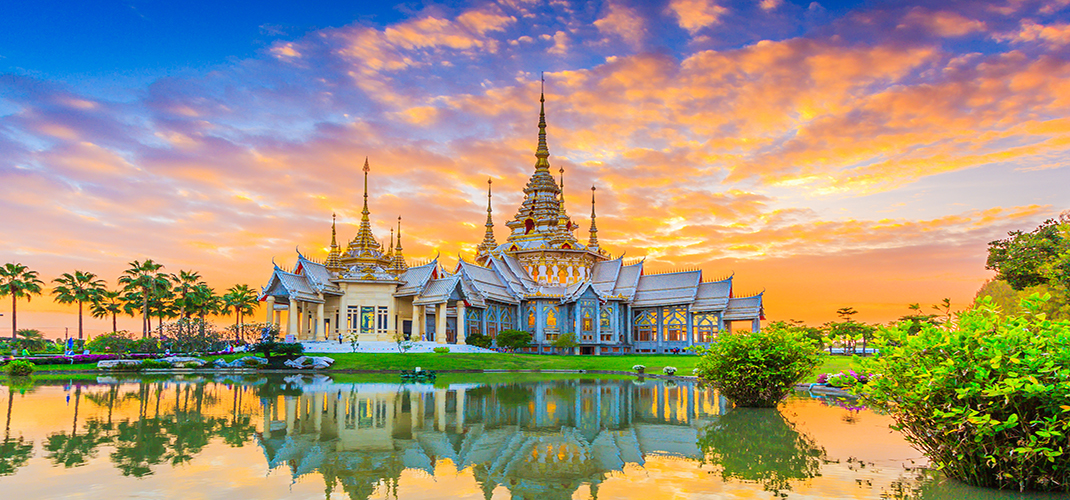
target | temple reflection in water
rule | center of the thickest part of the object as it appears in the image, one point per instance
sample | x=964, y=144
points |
x=536, y=440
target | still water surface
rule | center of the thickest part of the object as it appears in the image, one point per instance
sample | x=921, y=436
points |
x=478, y=438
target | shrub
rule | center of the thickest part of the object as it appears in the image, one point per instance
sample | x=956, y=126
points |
x=758, y=369
x=669, y=370
x=289, y=348
x=479, y=340
x=19, y=368
x=153, y=364
x=987, y=401
x=513, y=339
x=145, y=345
x=566, y=340
x=441, y=350
x=114, y=342
x=845, y=379
x=639, y=368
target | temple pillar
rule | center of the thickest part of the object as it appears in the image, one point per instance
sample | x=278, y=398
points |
x=270, y=312
x=440, y=323
x=419, y=320
x=460, y=322
x=319, y=323
x=291, y=414
x=291, y=326
x=756, y=324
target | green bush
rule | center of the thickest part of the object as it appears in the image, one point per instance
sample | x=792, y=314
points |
x=19, y=368
x=987, y=401
x=155, y=364
x=758, y=369
x=114, y=342
x=441, y=350
x=289, y=348
x=146, y=345
x=479, y=340
x=513, y=339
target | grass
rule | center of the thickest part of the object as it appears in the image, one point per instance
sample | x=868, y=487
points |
x=458, y=361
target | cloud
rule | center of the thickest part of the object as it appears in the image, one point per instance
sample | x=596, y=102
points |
x=623, y=22
x=694, y=15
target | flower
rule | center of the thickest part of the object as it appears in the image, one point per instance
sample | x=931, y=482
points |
x=669, y=370
x=638, y=368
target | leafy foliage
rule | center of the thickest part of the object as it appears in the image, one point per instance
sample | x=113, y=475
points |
x=988, y=401
x=566, y=340
x=19, y=368
x=110, y=342
x=513, y=339
x=479, y=340
x=441, y=350
x=19, y=282
x=191, y=335
x=758, y=369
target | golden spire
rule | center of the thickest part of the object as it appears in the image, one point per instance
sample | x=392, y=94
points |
x=488, y=243
x=333, y=263
x=364, y=246
x=399, y=259
x=390, y=249
x=592, y=244
x=542, y=152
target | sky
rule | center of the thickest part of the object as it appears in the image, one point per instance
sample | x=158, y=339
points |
x=830, y=154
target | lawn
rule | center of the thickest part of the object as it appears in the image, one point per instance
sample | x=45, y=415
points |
x=458, y=361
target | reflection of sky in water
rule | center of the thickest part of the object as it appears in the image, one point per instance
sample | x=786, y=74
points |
x=564, y=439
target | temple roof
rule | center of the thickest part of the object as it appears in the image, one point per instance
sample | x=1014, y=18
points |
x=415, y=278
x=628, y=280
x=290, y=285
x=741, y=308
x=712, y=296
x=667, y=289
x=487, y=281
x=438, y=290
x=318, y=276
x=604, y=275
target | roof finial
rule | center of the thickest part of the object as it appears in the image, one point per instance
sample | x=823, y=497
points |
x=543, y=152
x=489, y=242
x=334, y=255
x=592, y=244
x=399, y=264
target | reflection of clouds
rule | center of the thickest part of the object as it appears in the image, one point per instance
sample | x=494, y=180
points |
x=688, y=142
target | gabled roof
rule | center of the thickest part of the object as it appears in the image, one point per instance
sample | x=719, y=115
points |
x=414, y=279
x=547, y=292
x=487, y=282
x=517, y=269
x=576, y=290
x=628, y=280
x=317, y=275
x=438, y=290
x=604, y=275
x=742, y=308
x=712, y=296
x=667, y=289
x=289, y=285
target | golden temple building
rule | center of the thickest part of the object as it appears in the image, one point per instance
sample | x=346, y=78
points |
x=542, y=280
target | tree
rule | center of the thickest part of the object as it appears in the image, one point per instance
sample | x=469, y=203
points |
x=108, y=302
x=18, y=281
x=513, y=339
x=184, y=282
x=240, y=299
x=80, y=287
x=204, y=301
x=917, y=318
x=1041, y=257
x=144, y=278
x=850, y=330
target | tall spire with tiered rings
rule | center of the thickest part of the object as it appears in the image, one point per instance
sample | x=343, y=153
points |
x=592, y=244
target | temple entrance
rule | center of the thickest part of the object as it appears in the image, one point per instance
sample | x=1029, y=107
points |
x=587, y=350
x=406, y=329
x=451, y=330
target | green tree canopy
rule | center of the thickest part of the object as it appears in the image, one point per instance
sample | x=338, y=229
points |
x=19, y=282
x=1040, y=257
x=80, y=287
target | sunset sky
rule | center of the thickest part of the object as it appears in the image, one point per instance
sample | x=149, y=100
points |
x=830, y=153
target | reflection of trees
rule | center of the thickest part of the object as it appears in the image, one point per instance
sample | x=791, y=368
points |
x=72, y=450
x=14, y=453
x=759, y=445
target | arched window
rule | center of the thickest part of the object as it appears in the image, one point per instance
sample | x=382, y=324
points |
x=531, y=318
x=644, y=328
x=705, y=327
x=529, y=225
x=551, y=317
x=675, y=321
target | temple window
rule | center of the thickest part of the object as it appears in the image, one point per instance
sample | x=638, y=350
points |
x=531, y=317
x=529, y=225
x=551, y=317
x=367, y=319
x=382, y=319
x=644, y=328
x=507, y=319
x=705, y=327
x=675, y=321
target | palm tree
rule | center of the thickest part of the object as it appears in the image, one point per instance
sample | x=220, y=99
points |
x=108, y=302
x=18, y=281
x=205, y=302
x=241, y=299
x=80, y=287
x=184, y=282
x=142, y=277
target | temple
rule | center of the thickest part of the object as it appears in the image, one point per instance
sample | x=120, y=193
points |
x=542, y=279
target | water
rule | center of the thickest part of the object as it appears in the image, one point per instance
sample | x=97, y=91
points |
x=507, y=436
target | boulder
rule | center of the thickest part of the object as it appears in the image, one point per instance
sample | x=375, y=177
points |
x=184, y=362
x=313, y=362
x=118, y=364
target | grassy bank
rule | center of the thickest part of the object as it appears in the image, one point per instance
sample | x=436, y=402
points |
x=459, y=361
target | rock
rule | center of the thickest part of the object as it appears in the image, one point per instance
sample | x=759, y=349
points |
x=118, y=364
x=183, y=362
x=313, y=362
x=251, y=361
x=321, y=362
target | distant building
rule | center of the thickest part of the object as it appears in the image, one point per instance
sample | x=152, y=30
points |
x=542, y=280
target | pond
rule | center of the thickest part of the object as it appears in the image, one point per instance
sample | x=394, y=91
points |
x=506, y=436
